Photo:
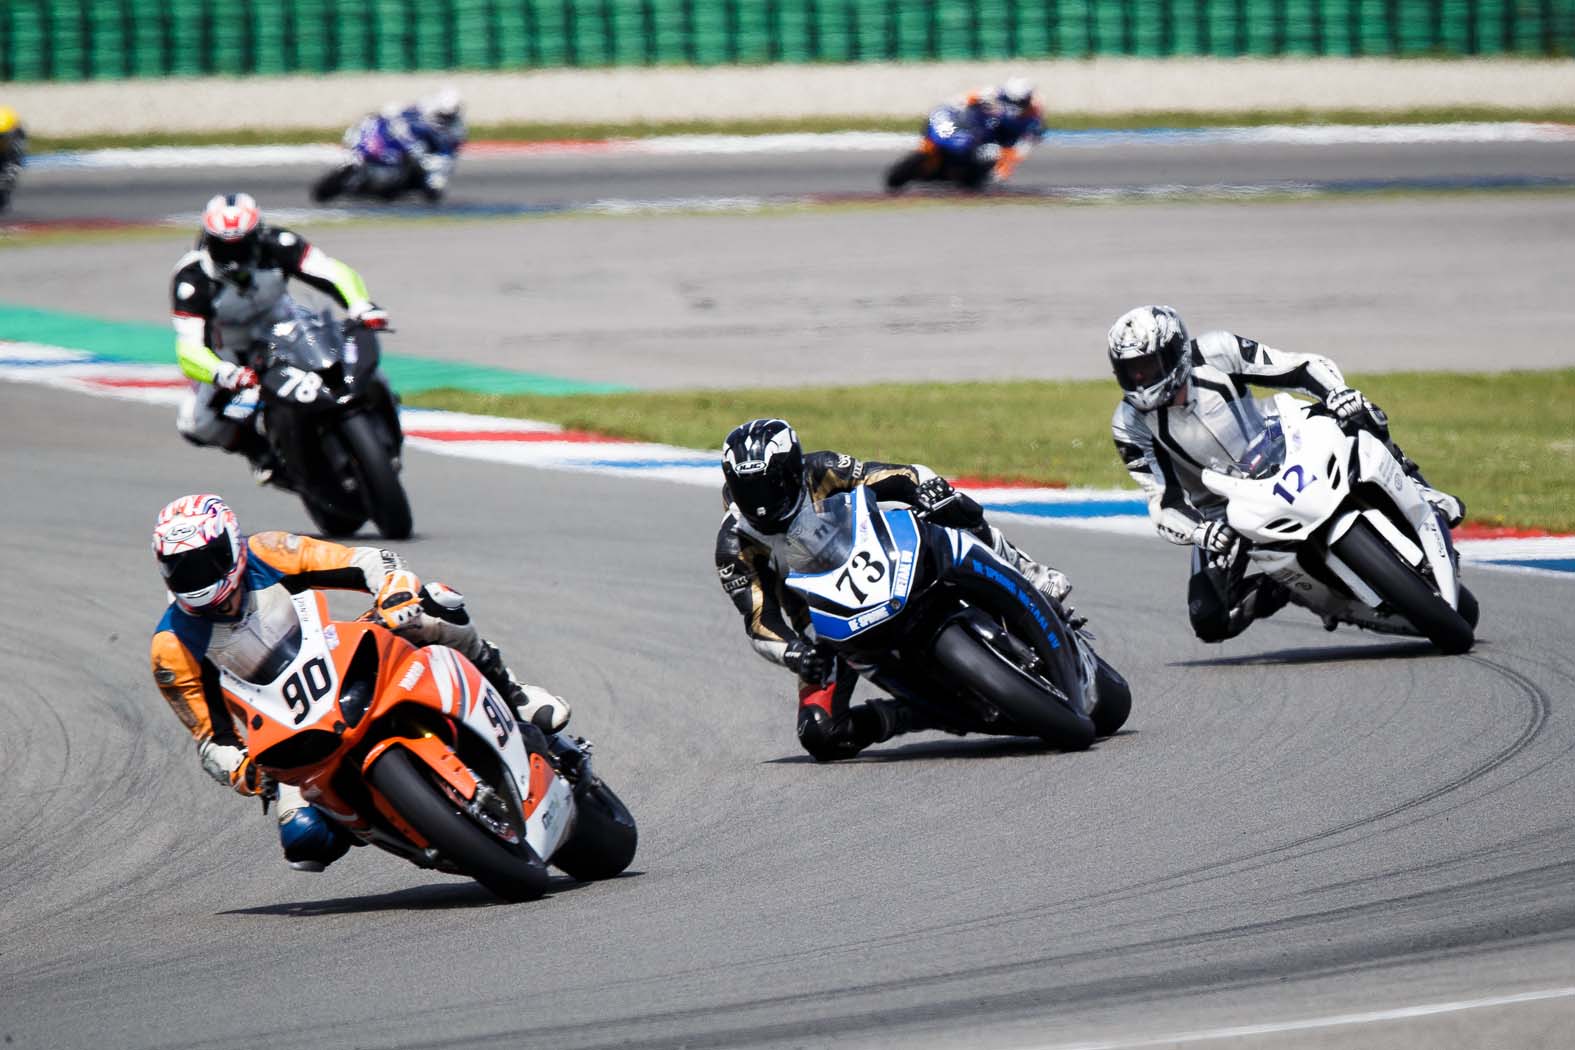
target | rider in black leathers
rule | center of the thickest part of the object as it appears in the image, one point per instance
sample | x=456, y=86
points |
x=768, y=478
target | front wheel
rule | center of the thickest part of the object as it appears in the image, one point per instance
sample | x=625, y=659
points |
x=905, y=170
x=1403, y=588
x=1114, y=702
x=382, y=495
x=1027, y=703
x=512, y=871
x=332, y=185
x=604, y=838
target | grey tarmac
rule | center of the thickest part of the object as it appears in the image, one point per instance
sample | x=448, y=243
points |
x=1475, y=282
x=1294, y=825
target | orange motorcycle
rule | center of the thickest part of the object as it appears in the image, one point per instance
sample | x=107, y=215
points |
x=411, y=750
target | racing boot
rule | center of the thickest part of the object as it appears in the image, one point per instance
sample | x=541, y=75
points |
x=1052, y=583
x=311, y=841
x=1451, y=508
x=532, y=704
x=258, y=452
x=447, y=622
x=1264, y=597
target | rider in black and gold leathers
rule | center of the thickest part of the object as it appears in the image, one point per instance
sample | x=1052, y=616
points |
x=769, y=477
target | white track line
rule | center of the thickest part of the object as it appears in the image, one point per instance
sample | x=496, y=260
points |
x=1400, y=1013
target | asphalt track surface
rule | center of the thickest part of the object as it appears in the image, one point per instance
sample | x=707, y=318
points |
x=877, y=290
x=1295, y=825
x=564, y=179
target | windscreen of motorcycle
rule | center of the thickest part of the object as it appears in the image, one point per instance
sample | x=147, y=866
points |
x=309, y=341
x=1263, y=457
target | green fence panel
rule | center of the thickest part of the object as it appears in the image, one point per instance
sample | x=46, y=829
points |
x=81, y=39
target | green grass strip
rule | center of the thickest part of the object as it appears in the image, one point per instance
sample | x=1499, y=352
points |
x=155, y=344
x=1505, y=442
x=522, y=132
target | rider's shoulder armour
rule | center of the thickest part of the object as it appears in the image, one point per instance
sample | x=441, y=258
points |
x=283, y=249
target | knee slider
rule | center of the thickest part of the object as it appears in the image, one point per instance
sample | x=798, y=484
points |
x=444, y=602
x=307, y=835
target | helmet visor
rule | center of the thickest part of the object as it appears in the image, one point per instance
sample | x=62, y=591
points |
x=197, y=570
x=1146, y=370
x=767, y=497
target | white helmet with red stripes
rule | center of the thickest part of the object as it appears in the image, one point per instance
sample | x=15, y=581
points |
x=231, y=229
x=200, y=550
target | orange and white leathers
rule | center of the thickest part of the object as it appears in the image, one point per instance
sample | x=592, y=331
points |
x=296, y=701
x=278, y=565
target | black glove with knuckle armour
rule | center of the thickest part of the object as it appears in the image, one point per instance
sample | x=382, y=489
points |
x=808, y=660
x=934, y=494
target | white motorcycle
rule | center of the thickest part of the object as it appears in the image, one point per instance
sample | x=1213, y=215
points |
x=1338, y=522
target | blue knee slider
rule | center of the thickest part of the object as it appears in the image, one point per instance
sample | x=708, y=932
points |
x=311, y=841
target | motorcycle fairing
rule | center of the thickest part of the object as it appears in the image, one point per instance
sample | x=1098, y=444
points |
x=873, y=582
x=1312, y=496
x=304, y=696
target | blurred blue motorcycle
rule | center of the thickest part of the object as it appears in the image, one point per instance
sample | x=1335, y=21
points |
x=393, y=153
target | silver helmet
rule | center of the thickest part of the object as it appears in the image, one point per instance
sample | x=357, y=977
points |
x=1150, y=355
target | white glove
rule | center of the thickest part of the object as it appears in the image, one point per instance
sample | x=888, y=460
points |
x=233, y=767
x=231, y=376
x=220, y=761
x=1216, y=537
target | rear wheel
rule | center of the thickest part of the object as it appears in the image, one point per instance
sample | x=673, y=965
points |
x=512, y=871
x=604, y=838
x=381, y=492
x=1028, y=704
x=1403, y=588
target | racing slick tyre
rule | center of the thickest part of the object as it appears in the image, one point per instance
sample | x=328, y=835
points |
x=1115, y=699
x=1468, y=608
x=381, y=492
x=905, y=170
x=1403, y=588
x=331, y=521
x=604, y=838
x=331, y=185
x=512, y=871
x=1028, y=704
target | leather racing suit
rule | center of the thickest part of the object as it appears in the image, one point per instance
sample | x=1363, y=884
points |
x=776, y=617
x=402, y=138
x=1013, y=128
x=217, y=321
x=188, y=651
x=1166, y=449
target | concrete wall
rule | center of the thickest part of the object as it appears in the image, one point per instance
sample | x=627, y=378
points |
x=1113, y=85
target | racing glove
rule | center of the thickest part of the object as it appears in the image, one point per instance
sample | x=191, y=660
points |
x=934, y=494
x=369, y=315
x=1351, y=407
x=1216, y=538
x=398, y=604
x=231, y=376
x=234, y=768
x=808, y=660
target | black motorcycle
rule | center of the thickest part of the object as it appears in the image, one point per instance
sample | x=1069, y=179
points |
x=332, y=422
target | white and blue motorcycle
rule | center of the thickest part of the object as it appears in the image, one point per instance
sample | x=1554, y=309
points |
x=933, y=616
x=1336, y=520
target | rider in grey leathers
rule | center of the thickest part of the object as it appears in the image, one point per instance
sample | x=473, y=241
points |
x=1185, y=405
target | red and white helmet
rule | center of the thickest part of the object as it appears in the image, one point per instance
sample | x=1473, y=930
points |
x=231, y=226
x=197, y=541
